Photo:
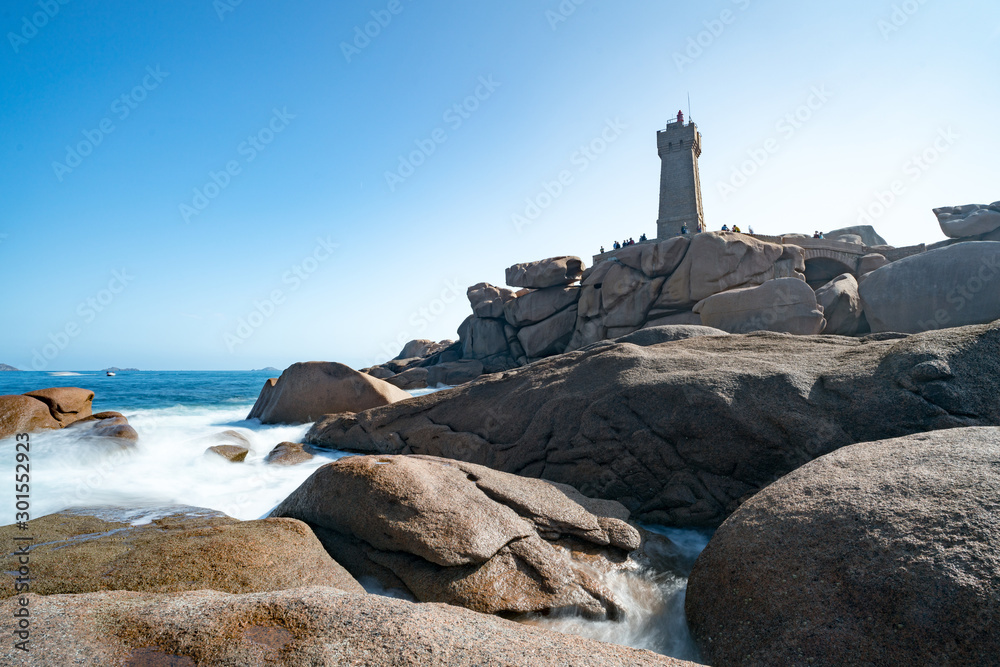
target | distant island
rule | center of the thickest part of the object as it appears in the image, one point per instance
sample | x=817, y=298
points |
x=269, y=369
x=5, y=367
x=115, y=369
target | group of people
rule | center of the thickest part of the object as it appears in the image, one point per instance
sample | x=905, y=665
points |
x=626, y=243
x=818, y=235
x=684, y=230
x=736, y=229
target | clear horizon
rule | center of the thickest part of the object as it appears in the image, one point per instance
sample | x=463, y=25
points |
x=229, y=185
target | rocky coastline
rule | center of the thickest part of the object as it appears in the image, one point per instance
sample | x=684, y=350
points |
x=839, y=432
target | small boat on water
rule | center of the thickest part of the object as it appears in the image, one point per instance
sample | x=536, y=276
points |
x=111, y=374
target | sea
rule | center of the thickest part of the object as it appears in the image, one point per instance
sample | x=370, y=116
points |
x=177, y=413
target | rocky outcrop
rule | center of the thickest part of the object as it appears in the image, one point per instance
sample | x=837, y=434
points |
x=682, y=432
x=947, y=287
x=869, y=263
x=22, y=414
x=539, y=305
x=454, y=373
x=968, y=221
x=232, y=453
x=716, y=262
x=866, y=233
x=66, y=404
x=305, y=626
x=447, y=531
x=413, y=378
x=841, y=305
x=551, y=272
x=44, y=409
x=421, y=347
x=785, y=305
x=667, y=334
x=649, y=283
x=307, y=391
x=882, y=553
x=111, y=425
x=78, y=551
x=288, y=454
x=487, y=300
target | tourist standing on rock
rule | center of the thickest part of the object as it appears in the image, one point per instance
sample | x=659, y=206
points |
x=684, y=229
x=642, y=239
x=602, y=250
x=725, y=228
x=736, y=229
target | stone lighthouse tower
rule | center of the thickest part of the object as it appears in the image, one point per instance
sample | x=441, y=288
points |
x=679, y=146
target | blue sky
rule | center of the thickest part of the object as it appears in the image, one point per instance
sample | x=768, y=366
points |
x=203, y=185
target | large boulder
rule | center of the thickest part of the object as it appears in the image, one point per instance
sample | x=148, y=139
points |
x=716, y=262
x=679, y=318
x=627, y=296
x=948, y=287
x=420, y=348
x=23, y=414
x=546, y=273
x=487, y=300
x=186, y=549
x=841, y=306
x=786, y=305
x=970, y=220
x=232, y=453
x=484, y=338
x=655, y=260
x=866, y=233
x=307, y=391
x=882, y=553
x=549, y=336
x=414, y=378
x=305, y=626
x=682, y=432
x=668, y=334
x=289, y=454
x=454, y=373
x=110, y=425
x=67, y=404
x=454, y=532
x=539, y=305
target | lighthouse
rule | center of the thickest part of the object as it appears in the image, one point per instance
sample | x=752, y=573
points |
x=679, y=147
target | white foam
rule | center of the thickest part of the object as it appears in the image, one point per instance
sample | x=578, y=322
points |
x=654, y=615
x=168, y=466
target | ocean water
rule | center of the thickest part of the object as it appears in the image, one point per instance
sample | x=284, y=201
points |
x=175, y=412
